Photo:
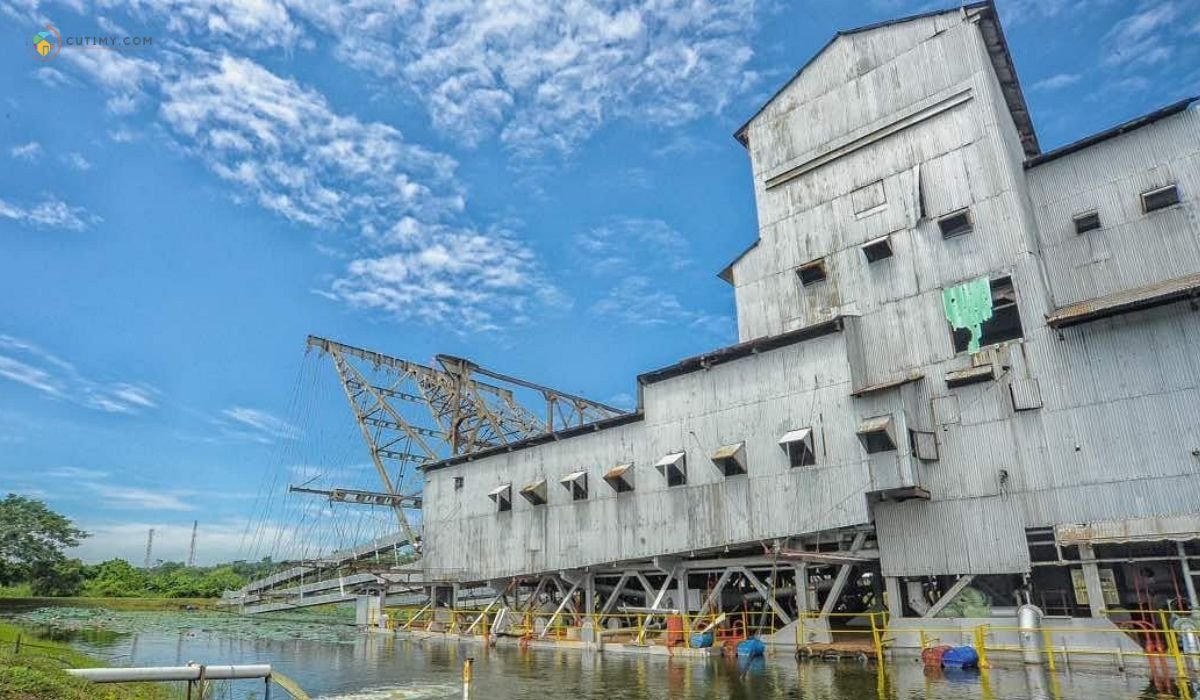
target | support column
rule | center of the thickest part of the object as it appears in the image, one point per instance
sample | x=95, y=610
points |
x=589, y=594
x=895, y=599
x=803, y=604
x=1188, y=580
x=1091, y=580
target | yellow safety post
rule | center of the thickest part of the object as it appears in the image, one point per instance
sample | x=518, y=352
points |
x=1174, y=650
x=467, y=664
x=877, y=639
x=981, y=645
x=1048, y=642
x=924, y=640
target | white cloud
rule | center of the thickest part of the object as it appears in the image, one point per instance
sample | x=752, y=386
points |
x=31, y=151
x=49, y=213
x=142, y=499
x=1057, y=82
x=75, y=473
x=216, y=542
x=1137, y=39
x=541, y=76
x=636, y=301
x=77, y=161
x=51, y=77
x=625, y=244
x=263, y=425
x=25, y=363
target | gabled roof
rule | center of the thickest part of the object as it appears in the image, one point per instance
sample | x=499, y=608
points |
x=993, y=36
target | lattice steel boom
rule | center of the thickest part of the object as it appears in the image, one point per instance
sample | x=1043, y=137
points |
x=412, y=414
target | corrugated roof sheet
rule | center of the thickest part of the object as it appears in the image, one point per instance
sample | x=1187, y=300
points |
x=1129, y=300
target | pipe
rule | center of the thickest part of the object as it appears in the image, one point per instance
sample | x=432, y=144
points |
x=1029, y=622
x=916, y=597
x=1190, y=584
x=171, y=673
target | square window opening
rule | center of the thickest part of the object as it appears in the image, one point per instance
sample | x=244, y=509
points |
x=502, y=497
x=879, y=249
x=674, y=468
x=620, y=478
x=956, y=224
x=731, y=459
x=812, y=273
x=1161, y=198
x=877, y=435
x=798, y=446
x=535, y=493
x=1088, y=221
x=1003, y=325
x=458, y=483
x=577, y=484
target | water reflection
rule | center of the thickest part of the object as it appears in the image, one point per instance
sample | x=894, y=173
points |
x=370, y=667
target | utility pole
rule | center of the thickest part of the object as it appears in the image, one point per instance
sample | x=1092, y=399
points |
x=192, y=550
x=149, y=546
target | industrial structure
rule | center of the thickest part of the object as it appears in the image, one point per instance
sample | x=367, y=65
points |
x=967, y=379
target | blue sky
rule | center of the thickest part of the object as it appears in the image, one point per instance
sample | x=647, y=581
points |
x=548, y=191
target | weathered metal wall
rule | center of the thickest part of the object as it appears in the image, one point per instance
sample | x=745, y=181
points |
x=757, y=400
x=884, y=132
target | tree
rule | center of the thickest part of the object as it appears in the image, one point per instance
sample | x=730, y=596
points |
x=64, y=578
x=117, y=578
x=32, y=538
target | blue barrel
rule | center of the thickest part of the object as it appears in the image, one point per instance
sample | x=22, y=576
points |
x=751, y=648
x=961, y=657
x=702, y=641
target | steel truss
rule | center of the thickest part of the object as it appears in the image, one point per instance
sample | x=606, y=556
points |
x=412, y=414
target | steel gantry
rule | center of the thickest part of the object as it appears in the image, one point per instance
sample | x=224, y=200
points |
x=410, y=414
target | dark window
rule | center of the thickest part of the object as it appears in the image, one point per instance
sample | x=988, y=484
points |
x=956, y=224
x=1087, y=222
x=1005, y=323
x=674, y=468
x=458, y=483
x=502, y=496
x=879, y=249
x=731, y=459
x=577, y=484
x=1160, y=199
x=875, y=434
x=811, y=273
x=620, y=478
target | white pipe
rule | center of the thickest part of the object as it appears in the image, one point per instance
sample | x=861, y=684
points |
x=171, y=673
x=1029, y=621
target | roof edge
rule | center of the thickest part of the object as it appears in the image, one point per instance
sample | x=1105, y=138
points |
x=740, y=133
x=1112, y=132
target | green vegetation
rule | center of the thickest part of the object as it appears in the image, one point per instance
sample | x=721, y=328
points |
x=33, y=564
x=32, y=540
x=36, y=673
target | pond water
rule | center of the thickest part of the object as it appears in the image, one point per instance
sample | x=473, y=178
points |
x=332, y=661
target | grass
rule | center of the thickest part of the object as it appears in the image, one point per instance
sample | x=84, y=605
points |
x=37, y=673
x=14, y=602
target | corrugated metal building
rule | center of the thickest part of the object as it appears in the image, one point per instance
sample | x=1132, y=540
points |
x=949, y=343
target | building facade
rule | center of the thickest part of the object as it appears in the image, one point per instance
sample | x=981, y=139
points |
x=962, y=362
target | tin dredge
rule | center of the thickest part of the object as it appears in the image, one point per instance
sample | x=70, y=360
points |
x=964, y=408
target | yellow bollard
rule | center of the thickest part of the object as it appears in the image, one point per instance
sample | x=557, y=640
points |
x=1048, y=642
x=467, y=664
x=981, y=645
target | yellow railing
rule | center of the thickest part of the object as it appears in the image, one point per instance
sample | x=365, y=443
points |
x=875, y=630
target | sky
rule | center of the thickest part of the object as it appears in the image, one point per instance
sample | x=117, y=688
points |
x=548, y=189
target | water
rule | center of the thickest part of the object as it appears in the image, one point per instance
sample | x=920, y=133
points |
x=332, y=661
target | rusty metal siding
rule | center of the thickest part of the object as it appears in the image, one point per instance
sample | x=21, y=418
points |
x=1131, y=249
x=970, y=536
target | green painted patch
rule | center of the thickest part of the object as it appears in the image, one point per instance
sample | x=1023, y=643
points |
x=968, y=306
